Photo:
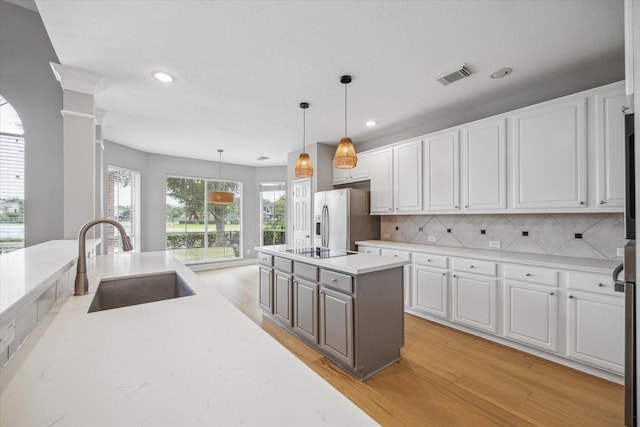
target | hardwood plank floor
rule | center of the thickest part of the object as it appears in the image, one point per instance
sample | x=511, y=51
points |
x=447, y=377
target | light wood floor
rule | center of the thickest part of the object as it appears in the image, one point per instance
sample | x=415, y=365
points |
x=447, y=377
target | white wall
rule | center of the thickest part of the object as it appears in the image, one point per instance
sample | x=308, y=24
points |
x=29, y=85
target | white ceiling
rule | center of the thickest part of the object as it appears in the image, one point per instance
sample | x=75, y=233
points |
x=243, y=67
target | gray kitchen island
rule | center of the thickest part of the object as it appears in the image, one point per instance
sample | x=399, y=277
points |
x=347, y=305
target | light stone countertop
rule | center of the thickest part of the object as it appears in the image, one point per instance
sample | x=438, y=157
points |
x=356, y=263
x=25, y=273
x=191, y=361
x=552, y=261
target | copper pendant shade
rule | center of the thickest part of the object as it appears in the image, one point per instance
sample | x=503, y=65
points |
x=220, y=197
x=304, y=167
x=345, y=157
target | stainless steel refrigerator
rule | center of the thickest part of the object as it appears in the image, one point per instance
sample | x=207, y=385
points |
x=342, y=217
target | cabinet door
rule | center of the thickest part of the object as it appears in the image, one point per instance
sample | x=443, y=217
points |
x=441, y=174
x=484, y=165
x=305, y=309
x=282, y=301
x=474, y=302
x=361, y=171
x=610, y=147
x=266, y=289
x=336, y=325
x=368, y=250
x=408, y=176
x=340, y=176
x=596, y=330
x=531, y=314
x=430, y=291
x=550, y=143
x=381, y=186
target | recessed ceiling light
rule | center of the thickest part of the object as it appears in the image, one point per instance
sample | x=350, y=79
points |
x=371, y=123
x=163, y=77
x=502, y=72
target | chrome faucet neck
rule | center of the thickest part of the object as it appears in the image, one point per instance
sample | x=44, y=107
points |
x=82, y=282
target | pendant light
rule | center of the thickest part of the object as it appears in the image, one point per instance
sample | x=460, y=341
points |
x=345, y=157
x=304, y=168
x=220, y=197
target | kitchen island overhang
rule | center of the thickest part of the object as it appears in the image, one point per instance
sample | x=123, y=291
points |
x=349, y=307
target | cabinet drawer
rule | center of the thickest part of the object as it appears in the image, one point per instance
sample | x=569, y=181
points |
x=396, y=254
x=265, y=259
x=531, y=274
x=368, y=250
x=305, y=270
x=592, y=282
x=487, y=268
x=283, y=264
x=438, y=261
x=339, y=281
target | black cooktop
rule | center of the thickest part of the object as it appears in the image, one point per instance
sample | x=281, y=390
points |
x=317, y=252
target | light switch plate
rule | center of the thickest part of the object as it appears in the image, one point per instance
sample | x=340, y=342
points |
x=619, y=251
x=431, y=239
x=494, y=244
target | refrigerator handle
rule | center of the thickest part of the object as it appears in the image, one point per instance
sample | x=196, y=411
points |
x=328, y=228
x=617, y=283
x=325, y=225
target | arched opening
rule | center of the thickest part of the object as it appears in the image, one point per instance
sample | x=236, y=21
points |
x=11, y=179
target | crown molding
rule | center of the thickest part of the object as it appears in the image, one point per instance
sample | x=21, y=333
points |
x=77, y=80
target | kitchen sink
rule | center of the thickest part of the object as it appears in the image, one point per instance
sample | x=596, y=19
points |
x=134, y=290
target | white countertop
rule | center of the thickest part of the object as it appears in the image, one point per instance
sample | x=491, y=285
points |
x=25, y=273
x=553, y=261
x=191, y=361
x=356, y=263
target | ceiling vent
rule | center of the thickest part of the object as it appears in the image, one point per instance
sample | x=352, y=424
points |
x=261, y=158
x=455, y=75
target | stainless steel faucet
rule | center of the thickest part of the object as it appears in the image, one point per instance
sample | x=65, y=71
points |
x=82, y=283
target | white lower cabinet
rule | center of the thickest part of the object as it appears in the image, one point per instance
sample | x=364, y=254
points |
x=474, y=301
x=596, y=330
x=531, y=314
x=430, y=291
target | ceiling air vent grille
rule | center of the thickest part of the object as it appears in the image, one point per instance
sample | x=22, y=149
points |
x=455, y=75
x=261, y=158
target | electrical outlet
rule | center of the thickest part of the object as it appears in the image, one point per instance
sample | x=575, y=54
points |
x=431, y=239
x=619, y=251
x=494, y=243
x=385, y=235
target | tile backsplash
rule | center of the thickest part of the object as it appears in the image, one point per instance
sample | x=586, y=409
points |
x=587, y=235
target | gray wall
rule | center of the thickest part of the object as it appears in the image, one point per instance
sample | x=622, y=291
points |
x=27, y=82
x=154, y=169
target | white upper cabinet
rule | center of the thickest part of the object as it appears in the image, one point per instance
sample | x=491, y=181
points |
x=550, y=155
x=408, y=176
x=359, y=173
x=381, y=189
x=484, y=165
x=396, y=178
x=441, y=174
x=609, y=134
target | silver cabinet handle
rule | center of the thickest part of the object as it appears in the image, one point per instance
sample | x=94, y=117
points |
x=472, y=266
x=455, y=275
x=395, y=256
x=551, y=293
x=466, y=206
x=601, y=202
x=444, y=274
x=600, y=285
x=455, y=207
x=390, y=209
x=571, y=297
x=333, y=279
x=528, y=274
x=581, y=202
x=428, y=260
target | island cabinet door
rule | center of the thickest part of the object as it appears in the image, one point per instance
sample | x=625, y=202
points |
x=266, y=289
x=283, y=298
x=336, y=325
x=305, y=309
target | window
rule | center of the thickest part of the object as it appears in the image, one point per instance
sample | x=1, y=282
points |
x=123, y=205
x=11, y=179
x=198, y=231
x=273, y=203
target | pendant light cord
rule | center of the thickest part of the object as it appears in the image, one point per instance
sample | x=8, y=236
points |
x=304, y=130
x=345, y=110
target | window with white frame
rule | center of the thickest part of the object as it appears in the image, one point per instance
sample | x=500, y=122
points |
x=11, y=179
x=197, y=231
x=273, y=207
x=123, y=205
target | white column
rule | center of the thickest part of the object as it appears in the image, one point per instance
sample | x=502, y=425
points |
x=79, y=87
